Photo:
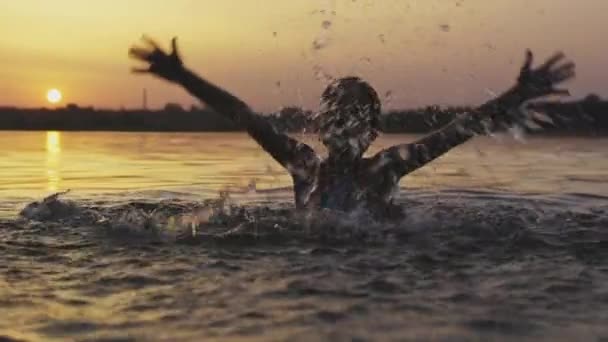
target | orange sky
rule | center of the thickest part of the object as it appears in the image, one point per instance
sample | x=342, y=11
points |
x=423, y=51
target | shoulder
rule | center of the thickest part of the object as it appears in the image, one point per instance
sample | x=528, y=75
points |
x=305, y=166
x=389, y=157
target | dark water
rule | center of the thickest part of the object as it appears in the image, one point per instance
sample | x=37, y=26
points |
x=503, y=241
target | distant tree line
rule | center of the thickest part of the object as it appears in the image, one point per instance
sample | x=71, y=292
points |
x=587, y=116
x=74, y=118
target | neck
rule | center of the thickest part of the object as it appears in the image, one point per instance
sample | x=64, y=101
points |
x=342, y=160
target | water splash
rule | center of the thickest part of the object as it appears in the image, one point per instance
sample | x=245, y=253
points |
x=238, y=273
x=222, y=220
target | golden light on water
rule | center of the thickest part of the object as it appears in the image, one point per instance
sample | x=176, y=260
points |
x=53, y=142
x=54, y=96
x=53, y=160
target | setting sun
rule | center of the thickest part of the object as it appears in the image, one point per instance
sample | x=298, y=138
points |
x=53, y=96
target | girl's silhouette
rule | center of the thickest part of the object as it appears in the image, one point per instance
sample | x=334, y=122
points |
x=348, y=124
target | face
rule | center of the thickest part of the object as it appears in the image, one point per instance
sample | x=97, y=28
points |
x=347, y=120
x=347, y=132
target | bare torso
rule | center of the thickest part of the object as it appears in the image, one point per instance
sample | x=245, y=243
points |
x=358, y=186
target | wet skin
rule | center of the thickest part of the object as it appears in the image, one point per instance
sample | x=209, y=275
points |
x=346, y=181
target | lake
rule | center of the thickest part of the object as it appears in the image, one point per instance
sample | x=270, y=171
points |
x=191, y=236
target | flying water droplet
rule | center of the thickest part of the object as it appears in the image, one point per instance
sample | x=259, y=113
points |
x=542, y=117
x=404, y=152
x=320, y=43
x=321, y=74
x=388, y=97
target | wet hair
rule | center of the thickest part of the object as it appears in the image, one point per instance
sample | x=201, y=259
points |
x=351, y=96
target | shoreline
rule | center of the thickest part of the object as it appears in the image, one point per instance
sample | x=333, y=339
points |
x=587, y=117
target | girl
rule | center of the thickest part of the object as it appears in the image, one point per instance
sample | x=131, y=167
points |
x=348, y=122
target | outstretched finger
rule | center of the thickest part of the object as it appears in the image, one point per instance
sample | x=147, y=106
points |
x=528, y=62
x=552, y=61
x=156, y=52
x=150, y=42
x=563, y=75
x=140, y=70
x=174, y=49
x=139, y=53
x=566, y=67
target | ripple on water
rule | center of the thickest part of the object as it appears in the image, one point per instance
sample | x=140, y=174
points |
x=473, y=265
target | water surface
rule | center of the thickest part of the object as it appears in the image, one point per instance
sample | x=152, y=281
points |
x=503, y=240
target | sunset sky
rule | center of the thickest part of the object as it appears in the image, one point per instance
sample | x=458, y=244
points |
x=270, y=52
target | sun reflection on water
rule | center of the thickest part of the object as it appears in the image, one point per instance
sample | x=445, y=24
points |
x=53, y=160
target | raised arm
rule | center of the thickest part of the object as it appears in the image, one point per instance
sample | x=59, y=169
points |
x=499, y=112
x=297, y=157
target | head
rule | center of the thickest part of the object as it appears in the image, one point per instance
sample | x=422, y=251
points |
x=348, y=119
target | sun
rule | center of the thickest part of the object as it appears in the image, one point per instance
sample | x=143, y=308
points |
x=53, y=96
